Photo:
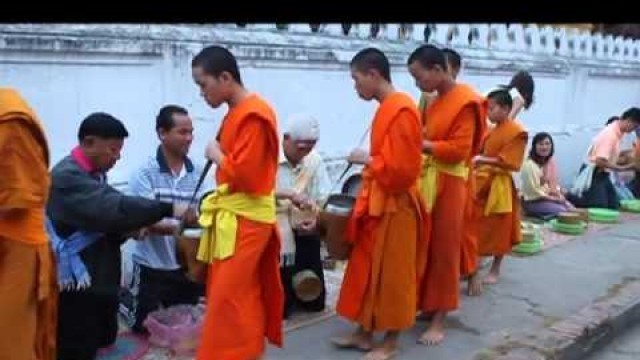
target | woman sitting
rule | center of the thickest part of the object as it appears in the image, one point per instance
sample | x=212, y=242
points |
x=593, y=186
x=542, y=195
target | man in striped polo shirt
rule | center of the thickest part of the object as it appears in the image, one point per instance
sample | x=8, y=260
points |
x=169, y=175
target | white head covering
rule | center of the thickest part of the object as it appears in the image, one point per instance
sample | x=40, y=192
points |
x=302, y=127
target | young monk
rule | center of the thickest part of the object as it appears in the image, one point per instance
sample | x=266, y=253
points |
x=469, y=252
x=379, y=287
x=469, y=260
x=245, y=298
x=451, y=133
x=496, y=197
x=28, y=296
x=454, y=64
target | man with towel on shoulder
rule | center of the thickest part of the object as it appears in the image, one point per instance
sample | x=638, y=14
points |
x=87, y=222
x=302, y=185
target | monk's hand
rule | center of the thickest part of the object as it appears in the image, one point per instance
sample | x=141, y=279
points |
x=190, y=217
x=213, y=151
x=427, y=147
x=359, y=156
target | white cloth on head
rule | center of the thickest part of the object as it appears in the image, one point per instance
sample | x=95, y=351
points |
x=302, y=127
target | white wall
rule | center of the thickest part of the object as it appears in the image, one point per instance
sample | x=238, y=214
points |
x=68, y=71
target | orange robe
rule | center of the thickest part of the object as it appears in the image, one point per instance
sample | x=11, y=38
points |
x=245, y=299
x=380, y=283
x=455, y=127
x=469, y=251
x=28, y=293
x=498, y=232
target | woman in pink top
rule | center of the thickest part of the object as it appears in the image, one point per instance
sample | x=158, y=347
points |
x=602, y=159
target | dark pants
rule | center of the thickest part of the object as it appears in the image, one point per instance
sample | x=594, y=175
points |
x=601, y=194
x=158, y=288
x=87, y=321
x=307, y=258
x=634, y=185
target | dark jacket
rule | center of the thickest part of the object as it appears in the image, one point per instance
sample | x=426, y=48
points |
x=83, y=201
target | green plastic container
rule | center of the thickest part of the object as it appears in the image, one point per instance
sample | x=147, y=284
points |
x=603, y=215
x=530, y=244
x=528, y=248
x=570, y=229
x=631, y=205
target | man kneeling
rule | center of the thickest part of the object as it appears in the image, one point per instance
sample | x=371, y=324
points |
x=301, y=186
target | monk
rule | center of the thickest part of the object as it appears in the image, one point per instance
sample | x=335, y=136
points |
x=379, y=287
x=28, y=294
x=451, y=133
x=454, y=64
x=469, y=252
x=496, y=197
x=245, y=298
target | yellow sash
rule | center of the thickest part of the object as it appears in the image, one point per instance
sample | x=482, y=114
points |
x=428, y=182
x=218, y=219
x=499, y=200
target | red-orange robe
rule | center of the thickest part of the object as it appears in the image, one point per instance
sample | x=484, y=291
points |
x=469, y=251
x=454, y=126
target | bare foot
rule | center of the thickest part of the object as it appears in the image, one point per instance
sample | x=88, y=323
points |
x=432, y=337
x=435, y=333
x=358, y=340
x=380, y=353
x=474, y=285
x=494, y=274
x=491, y=279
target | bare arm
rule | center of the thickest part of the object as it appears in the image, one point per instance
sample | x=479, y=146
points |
x=606, y=164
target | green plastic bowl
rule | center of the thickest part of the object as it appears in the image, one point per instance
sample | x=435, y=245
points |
x=603, y=215
x=631, y=205
x=571, y=229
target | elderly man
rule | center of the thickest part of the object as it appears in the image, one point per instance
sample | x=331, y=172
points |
x=302, y=184
x=89, y=220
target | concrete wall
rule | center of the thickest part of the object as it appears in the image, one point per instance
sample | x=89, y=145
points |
x=68, y=71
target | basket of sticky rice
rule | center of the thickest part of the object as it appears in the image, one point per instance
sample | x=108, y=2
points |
x=571, y=223
x=531, y=239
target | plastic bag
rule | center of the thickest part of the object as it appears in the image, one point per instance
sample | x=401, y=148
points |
x=177, y=328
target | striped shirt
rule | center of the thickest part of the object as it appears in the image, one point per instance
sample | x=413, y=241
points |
x=155, y=180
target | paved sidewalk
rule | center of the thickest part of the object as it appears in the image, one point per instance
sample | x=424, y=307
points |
x=536, y=292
